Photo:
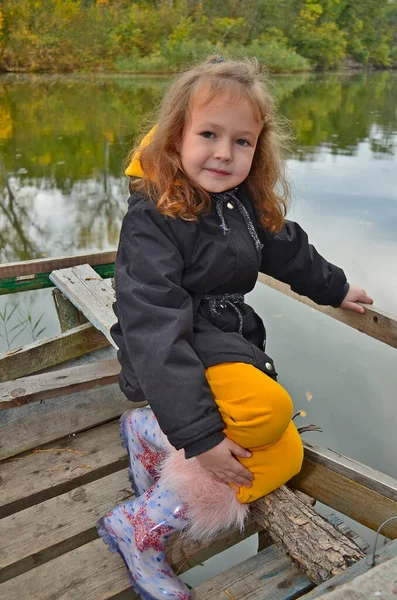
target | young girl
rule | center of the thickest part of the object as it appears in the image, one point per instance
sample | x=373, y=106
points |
x=206, y=214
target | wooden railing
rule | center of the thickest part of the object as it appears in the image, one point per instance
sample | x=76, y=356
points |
x=34, y=274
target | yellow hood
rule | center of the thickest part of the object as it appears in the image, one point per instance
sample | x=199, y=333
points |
x=134, y=169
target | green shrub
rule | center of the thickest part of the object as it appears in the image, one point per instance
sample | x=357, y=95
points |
x=275, y=56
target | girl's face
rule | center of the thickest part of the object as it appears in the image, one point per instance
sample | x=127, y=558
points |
x=219, y=142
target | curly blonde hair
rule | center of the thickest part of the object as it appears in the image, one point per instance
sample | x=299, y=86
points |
x=165, y=182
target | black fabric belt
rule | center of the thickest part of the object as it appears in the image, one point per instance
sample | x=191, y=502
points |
x=218, y=301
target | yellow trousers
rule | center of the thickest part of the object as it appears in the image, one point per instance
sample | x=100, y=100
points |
x=257, y=413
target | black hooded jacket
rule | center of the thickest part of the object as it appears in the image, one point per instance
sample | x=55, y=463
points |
x=179, y=304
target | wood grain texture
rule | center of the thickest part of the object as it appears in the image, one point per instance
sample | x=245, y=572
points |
x=42, y=532
x=44, y=265
x=383, y=555
x=91, y=294
x=41, y=281
x=354, y=499
x=38, y=476
x=380, y=582
x=58, y=383
x=312, y=543
x=91, y=572
x=68, y=315
x=26, y=427
x=49, y=352
x=268, y=574
x=376, y=323
x=352, y=469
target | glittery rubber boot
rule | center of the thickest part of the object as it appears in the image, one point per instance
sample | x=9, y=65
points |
x=146, y=445
x=138, y=531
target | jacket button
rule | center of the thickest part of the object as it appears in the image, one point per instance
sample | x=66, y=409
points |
x=230, y=205
x=269, y=366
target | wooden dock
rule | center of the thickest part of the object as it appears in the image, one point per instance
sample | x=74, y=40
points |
x=63, y=465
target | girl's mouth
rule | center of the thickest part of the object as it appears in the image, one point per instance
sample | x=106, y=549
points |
x=218, y=172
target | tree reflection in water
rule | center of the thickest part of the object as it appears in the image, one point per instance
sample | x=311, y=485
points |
x=63, y=141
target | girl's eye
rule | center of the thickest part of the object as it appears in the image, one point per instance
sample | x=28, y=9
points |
x=242, y=142
x=208, y=134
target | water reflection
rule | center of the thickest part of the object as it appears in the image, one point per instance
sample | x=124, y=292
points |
x=63, y=141
x=338, y=112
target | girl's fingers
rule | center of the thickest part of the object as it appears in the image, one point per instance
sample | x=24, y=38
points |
x=217, y=478
x=238, y=479
x=231, y=477
x=354, y=307
x=238, y=450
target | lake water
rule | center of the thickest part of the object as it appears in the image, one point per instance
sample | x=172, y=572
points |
x=62, y=191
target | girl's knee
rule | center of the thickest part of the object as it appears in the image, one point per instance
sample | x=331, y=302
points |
x=263, y=417
x=255, y=408
x=273, y=465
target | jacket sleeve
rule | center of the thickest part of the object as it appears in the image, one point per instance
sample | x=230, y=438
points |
x=288, y=257
x=156, y=318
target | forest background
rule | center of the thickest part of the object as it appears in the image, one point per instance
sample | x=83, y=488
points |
x=161, y=36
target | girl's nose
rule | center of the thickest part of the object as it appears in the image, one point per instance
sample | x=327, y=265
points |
x=224, y=151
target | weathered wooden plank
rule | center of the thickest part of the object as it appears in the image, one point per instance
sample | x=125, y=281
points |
x=40, y=475
x=383, y=555
x=380, y=582
x=49, y=352
x=350, y=491
x=42, y=532
x=352, y=498
x=268, y=574
x=68, y=315
x=352, y=469
x=90, y=294
x=91, y=572
x=26, y=427
x=25, y=283
x=58, y=383
x=376, y=323
x=46, y=265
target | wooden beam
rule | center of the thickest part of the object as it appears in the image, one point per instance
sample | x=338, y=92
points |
x=379, y=582
x=385, y=555
x=25, y=283
x=68, y=315
x=46, y=265
x=49, y=352
x=352, y=469
x=30, y=275
x=376, y=323
x=58, y=383
x=89, y=293
x=362, y=493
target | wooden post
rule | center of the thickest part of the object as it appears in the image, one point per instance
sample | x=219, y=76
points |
x=69, y=316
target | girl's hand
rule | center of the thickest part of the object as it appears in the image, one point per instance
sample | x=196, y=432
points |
x=354, y=295
x=223, y=465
